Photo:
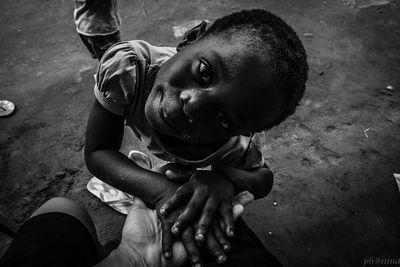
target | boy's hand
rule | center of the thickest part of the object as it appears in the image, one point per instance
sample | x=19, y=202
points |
x=166, y=222
x=167, y=238
x=207, y=192
x=216, y=241
x=187, y=237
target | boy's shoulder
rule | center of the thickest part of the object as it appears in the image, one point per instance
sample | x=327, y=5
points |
x=141, y=50
x=154, y=55
x=125, y=73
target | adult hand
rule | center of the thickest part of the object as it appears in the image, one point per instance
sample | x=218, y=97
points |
x=206, y=194
x=142, y=234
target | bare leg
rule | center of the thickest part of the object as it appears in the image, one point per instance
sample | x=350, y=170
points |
x=70, y=207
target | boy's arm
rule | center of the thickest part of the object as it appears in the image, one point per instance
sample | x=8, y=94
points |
x=257, y=181
x=103, y=139
x=247, y=171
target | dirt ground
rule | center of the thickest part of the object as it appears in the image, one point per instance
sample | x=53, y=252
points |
x=335, y=201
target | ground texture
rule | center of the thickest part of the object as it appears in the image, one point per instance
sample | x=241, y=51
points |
x=336, y=200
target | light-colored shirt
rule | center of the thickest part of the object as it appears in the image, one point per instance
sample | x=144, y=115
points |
x=124, y=79
x=96, y=17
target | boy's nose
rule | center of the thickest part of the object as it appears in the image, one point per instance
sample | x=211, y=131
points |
x=192, y=100
x=185, y=97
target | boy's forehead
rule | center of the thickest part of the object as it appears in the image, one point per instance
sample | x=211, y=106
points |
x=234, y=56
x=245, y=80
x=251, y=91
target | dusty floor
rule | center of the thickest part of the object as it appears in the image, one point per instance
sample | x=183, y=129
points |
x=337, y=200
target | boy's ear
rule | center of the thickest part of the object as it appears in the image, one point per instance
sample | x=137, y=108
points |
x=192, y=35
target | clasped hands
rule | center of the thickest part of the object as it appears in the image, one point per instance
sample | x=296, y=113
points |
x=199, y=212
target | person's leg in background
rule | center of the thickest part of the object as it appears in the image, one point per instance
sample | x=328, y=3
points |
x=59, y=233
x=98, y=24
x=70, y=207
x=98, y=45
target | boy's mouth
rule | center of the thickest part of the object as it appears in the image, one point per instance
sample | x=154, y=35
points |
x=164, y=118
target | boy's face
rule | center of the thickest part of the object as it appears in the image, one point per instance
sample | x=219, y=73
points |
x=212, y=90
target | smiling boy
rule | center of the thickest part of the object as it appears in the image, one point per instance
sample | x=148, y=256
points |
x=197, y=107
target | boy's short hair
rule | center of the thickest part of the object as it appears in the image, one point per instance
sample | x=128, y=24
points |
x=275, y=40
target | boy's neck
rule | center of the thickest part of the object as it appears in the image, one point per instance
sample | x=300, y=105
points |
x=187, y=150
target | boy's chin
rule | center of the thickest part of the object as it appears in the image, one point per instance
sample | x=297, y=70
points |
x=173, y=141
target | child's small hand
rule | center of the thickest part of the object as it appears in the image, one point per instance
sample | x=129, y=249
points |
x=187, y=237
x=216, y=242
x=167, y=238
x=208, y=193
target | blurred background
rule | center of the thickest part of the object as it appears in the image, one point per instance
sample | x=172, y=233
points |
x=335, y=201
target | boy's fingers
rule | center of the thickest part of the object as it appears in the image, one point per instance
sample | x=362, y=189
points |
x=243, y=198
x=176, y=172
x=178, y=176
x=167, y=239
x=192, y=209
x=220, y=236
x=227, y=216
x=180, y=196
x=175, y=167
x=237, y=211
x=191, y=247
x=221, y=223
x=215, y=249
x=206, y=219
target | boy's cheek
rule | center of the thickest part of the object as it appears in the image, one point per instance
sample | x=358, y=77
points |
x=149, y=108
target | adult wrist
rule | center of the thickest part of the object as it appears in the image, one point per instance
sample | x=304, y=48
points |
x=130, y=255
x=123, y=256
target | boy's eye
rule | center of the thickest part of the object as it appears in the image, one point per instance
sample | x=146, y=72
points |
x=205, y=72
x=223, y=120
